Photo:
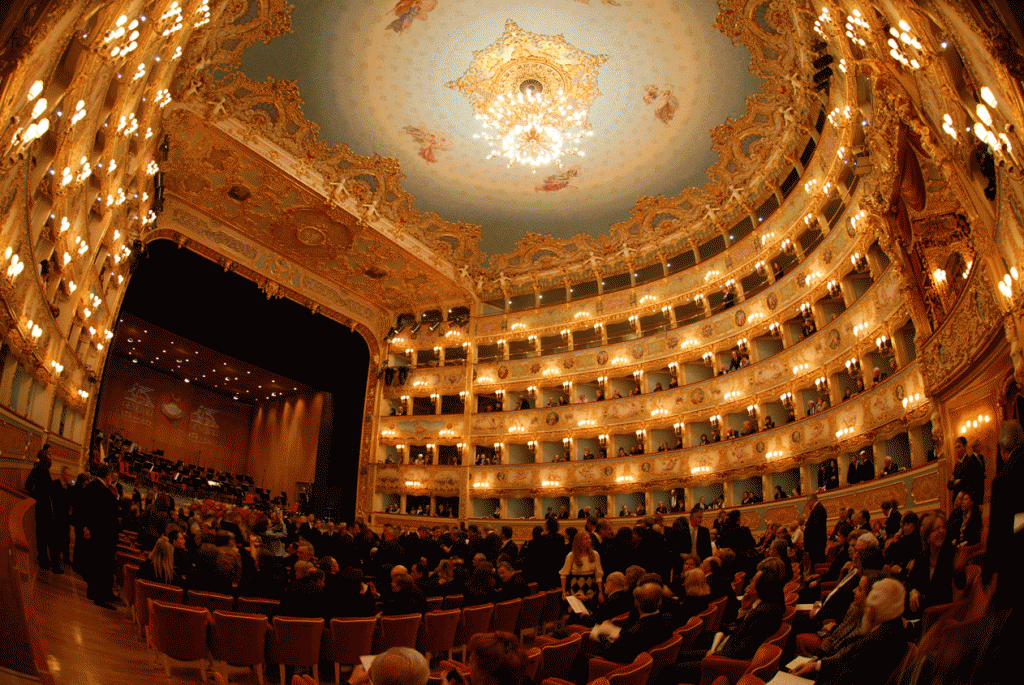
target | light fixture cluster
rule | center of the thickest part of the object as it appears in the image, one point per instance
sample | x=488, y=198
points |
x=14, y=264
x=700, y=470
x=624, y=479
x=902, y=42
x=533, y=129
x=774, y=454
x=1006, y=285
x=855, y=23
x=911, y=399
x=975, y=423
x=843, y=432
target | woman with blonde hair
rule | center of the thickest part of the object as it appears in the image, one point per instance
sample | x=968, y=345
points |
x=159, y=566
x=698, y=594
x=582, y=573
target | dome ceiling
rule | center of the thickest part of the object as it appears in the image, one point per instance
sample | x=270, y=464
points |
x=381, y=78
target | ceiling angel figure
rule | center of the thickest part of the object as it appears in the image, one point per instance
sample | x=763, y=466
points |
x=408, y=10
x=664, y=101
x=429, y=141
x=560, y=180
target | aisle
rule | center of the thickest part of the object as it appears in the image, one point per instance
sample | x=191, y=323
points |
x=87, y=645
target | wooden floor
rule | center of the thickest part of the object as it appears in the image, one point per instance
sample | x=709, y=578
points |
x=88, y=645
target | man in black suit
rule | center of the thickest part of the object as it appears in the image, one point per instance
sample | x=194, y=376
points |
x=651, y=628
x=814, y=529
x=101, y=528
x=513, y=585
x=968, y=472
x=696, y=539
x=509, y=550
x=618, y=600
x=873, y=657
x=760, y=617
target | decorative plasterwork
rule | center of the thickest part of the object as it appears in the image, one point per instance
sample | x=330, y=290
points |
x=518, y=56
x=370, y=187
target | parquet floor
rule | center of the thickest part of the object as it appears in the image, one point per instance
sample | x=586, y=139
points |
x=88, y=645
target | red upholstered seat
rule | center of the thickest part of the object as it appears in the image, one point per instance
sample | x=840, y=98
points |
x=529, y=614
x=505, y=615
x=178, y=632
x=211, y=600
x=716, y=620
x=551, y=614
x=664, y=654
x=350, y=638
x=690, y=632
x=397, y=631
x=240, y=640
x=437, y=632
x=258, y=605
x=145, y=590
x=557, y=655
x=765, y=660
x=296, y=642
x=128, y=589
x=533, y=661
x=452, y=602
x=780, y=637
x=474, y=620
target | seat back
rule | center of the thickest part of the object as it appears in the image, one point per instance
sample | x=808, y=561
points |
x=128, y=589
x=533, y=660
x=452, y=602
x=177, y=630
x=792, y=598
x=780, y=637
x=664, y=654
x=398, y=631
x=351, y=638
x=745, y=679
x=791, y=586
x=765, y=663
x=474, y=620
x=211, y=600
x=706, y=617
x=437, y=632
x=434, y=603
x=552, y=611
x=529, y=614
x=258, y=605
x=789, y=615
x=296, y=641
x=239, y=639
x=557, y=657
x=719, y=606
x=690, y=632
x=505, y=615
x=534, y=588
x=145, y=590
x=635, y=673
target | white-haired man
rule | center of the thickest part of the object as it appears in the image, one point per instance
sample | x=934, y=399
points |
x=400, y=666
x=874, y=657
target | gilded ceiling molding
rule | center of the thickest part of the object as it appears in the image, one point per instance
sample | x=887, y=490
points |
x=754, y=152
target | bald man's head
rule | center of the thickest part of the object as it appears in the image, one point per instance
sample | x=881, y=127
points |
x=647, y=597
x=614, y=582
x=400, y=666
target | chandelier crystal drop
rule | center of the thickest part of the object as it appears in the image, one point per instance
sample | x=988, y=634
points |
x=533, y=129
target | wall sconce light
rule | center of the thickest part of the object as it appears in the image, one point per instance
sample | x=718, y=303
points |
x=480, y=484
x=974, y=423
x=532, y=446
x=550, y=483
x=698, y=298
x=567, y=443
x=564, y=333
x=835, y=289
x=461, y=447
x=673, y=367
x=752, y=411
x=859, y=261
x=911, y=399
x=761, y=268
x=843, y=432
x=774, y=454
x=787, y=400
x=822, y=385
x=400, y=449
x=709, y=358
x=435, y=397
x=743, y=344
x=637, y=375
x=601, y=380
x=800, y=368
x=699, y=470
x=497, y=449
x=430, y=449
x=677, y=428
x=806, y=311
x=852, y=365
x=567, y=386
x=624, y=479
x=884, y=345
x=602, y=440
x=413, y=484
x=788, y=247
x=533, y=391
x=716, y=421
x=776, y=330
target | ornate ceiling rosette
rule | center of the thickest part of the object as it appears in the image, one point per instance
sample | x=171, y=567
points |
x=520, y=60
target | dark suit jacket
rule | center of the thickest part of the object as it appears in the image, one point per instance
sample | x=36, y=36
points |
x=703, y=546
x=871, y=659
x=837, y=602
x=515, y=587
x=750, y=632
x=511, y=550
x=647, y=632
x=814, y=532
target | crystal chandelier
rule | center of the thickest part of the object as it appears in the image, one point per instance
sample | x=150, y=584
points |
x=532, y=128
